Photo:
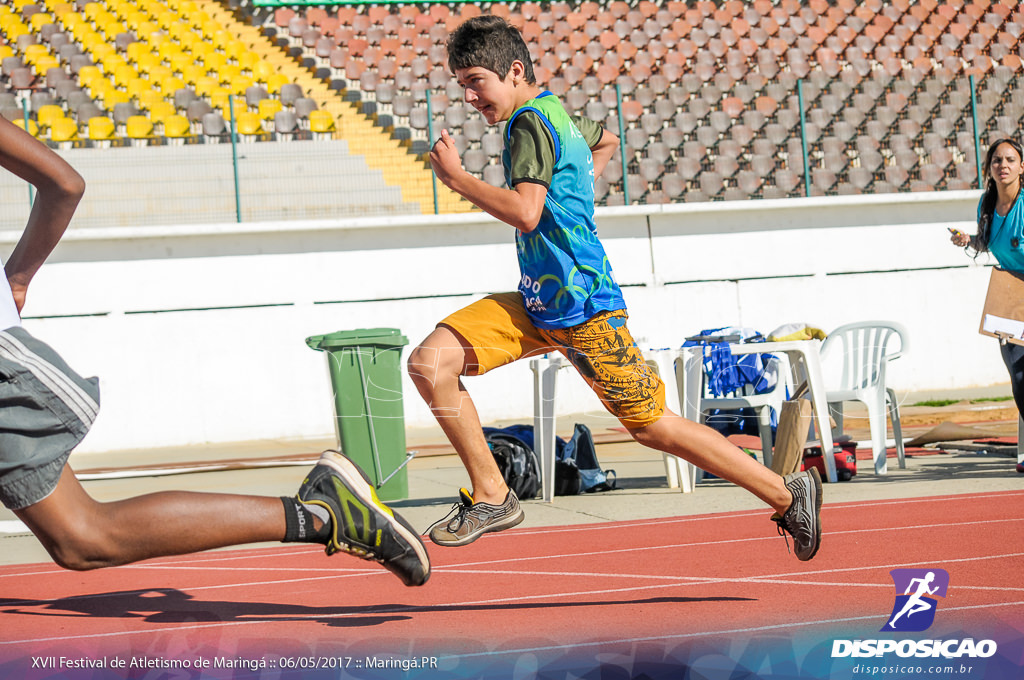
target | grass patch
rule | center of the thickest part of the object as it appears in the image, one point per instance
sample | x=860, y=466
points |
x=946, y=402
x=936, y=402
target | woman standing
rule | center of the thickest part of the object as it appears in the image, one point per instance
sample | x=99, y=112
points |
x=1001, y=232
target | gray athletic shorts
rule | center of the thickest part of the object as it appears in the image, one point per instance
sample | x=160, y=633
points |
x=46, y=409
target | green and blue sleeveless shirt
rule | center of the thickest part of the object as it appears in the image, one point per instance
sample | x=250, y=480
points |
x=566, y=278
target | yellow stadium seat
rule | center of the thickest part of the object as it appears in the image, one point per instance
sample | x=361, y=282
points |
x=179, y=62
x=104, y=53
x=177, y=126
x=321, y=121
x=178, y=30
x=247, y=60
x=135, y=18
x=146, y=30
x=139, y=127
x=229, y=72
x=234, y=49
x=64, y=130
x=268, y=108
x=124, y=74
x=216, y=33
x=166, y=18
x=45, y=63
x=88, y=74
x=239, y=84
x=14, y=27
x=275, y=82
x=161, y=110
x=71, y=21
x=169, y=84
x=205, y=86
x=91, y=10
x=192, y=73
x=6, y=51
x=219, y=97
x=143, y=58
x=39, y=19
x=139, y=51
x=154, y=69
x=49, y=113
x=147, y=98
x=100, y=128
x=262, y=70
x=248, y=123
x=33, y=127
x=214, y=60
x=35, y=51
x=99, y=87
x=114, y=96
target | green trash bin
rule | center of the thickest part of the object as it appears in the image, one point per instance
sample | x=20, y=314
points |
x=366, y=376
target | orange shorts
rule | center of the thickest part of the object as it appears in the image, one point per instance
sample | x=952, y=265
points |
x=499, y=331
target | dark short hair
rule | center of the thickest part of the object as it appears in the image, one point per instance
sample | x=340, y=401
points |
x=489, y=42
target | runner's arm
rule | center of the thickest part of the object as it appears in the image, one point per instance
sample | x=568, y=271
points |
x=59, y=188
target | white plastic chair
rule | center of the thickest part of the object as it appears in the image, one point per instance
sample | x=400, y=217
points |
x=763, y=404
x=863, y=350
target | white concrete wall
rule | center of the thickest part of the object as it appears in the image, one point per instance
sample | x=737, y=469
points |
x=198, y=331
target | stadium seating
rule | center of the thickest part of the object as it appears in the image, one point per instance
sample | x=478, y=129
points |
x=707, y=92
x=725, y=75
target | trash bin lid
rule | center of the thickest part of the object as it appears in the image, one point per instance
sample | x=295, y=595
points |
x=375, y=337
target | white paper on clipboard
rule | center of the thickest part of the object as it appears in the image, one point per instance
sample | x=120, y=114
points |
x=1000, y=326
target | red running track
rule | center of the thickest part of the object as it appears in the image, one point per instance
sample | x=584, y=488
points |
x=604, y=592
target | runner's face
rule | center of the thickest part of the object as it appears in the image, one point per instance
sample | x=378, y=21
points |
x=492, y=96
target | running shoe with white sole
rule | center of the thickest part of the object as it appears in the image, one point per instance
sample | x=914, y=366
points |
x=802, y=520
x=468, y=521
x=361, y=524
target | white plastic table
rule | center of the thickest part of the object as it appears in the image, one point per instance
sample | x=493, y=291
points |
x=804, y=361
x=684, y=365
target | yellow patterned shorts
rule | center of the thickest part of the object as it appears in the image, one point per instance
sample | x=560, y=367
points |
x=498, y=331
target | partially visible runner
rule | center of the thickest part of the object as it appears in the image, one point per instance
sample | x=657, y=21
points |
x=46, y=409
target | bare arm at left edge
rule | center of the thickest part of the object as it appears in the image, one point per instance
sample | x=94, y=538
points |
x=59, y=188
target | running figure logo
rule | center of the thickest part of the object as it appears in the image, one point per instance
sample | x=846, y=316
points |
x=915, y=605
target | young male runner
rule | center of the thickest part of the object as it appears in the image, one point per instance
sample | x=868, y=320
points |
x=46, y=409
x=567, y=300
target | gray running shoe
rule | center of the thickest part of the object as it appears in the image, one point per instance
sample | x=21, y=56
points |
x=360, y=524
x=469, y=521
x=803, y=518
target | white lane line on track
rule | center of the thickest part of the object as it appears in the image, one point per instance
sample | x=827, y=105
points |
x=755, y=513
x=677, y=580
x=705, y=544
x=217, y=556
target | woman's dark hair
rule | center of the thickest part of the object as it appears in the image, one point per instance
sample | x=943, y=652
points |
x=489, y=42
x=988, y=202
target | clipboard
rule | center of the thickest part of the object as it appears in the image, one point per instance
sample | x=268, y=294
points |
x=1003, y=314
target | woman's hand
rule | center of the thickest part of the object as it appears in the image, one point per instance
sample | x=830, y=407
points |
x=959, y=238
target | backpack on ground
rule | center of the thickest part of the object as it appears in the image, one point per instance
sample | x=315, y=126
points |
x=512, y=448
x=576, y=466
